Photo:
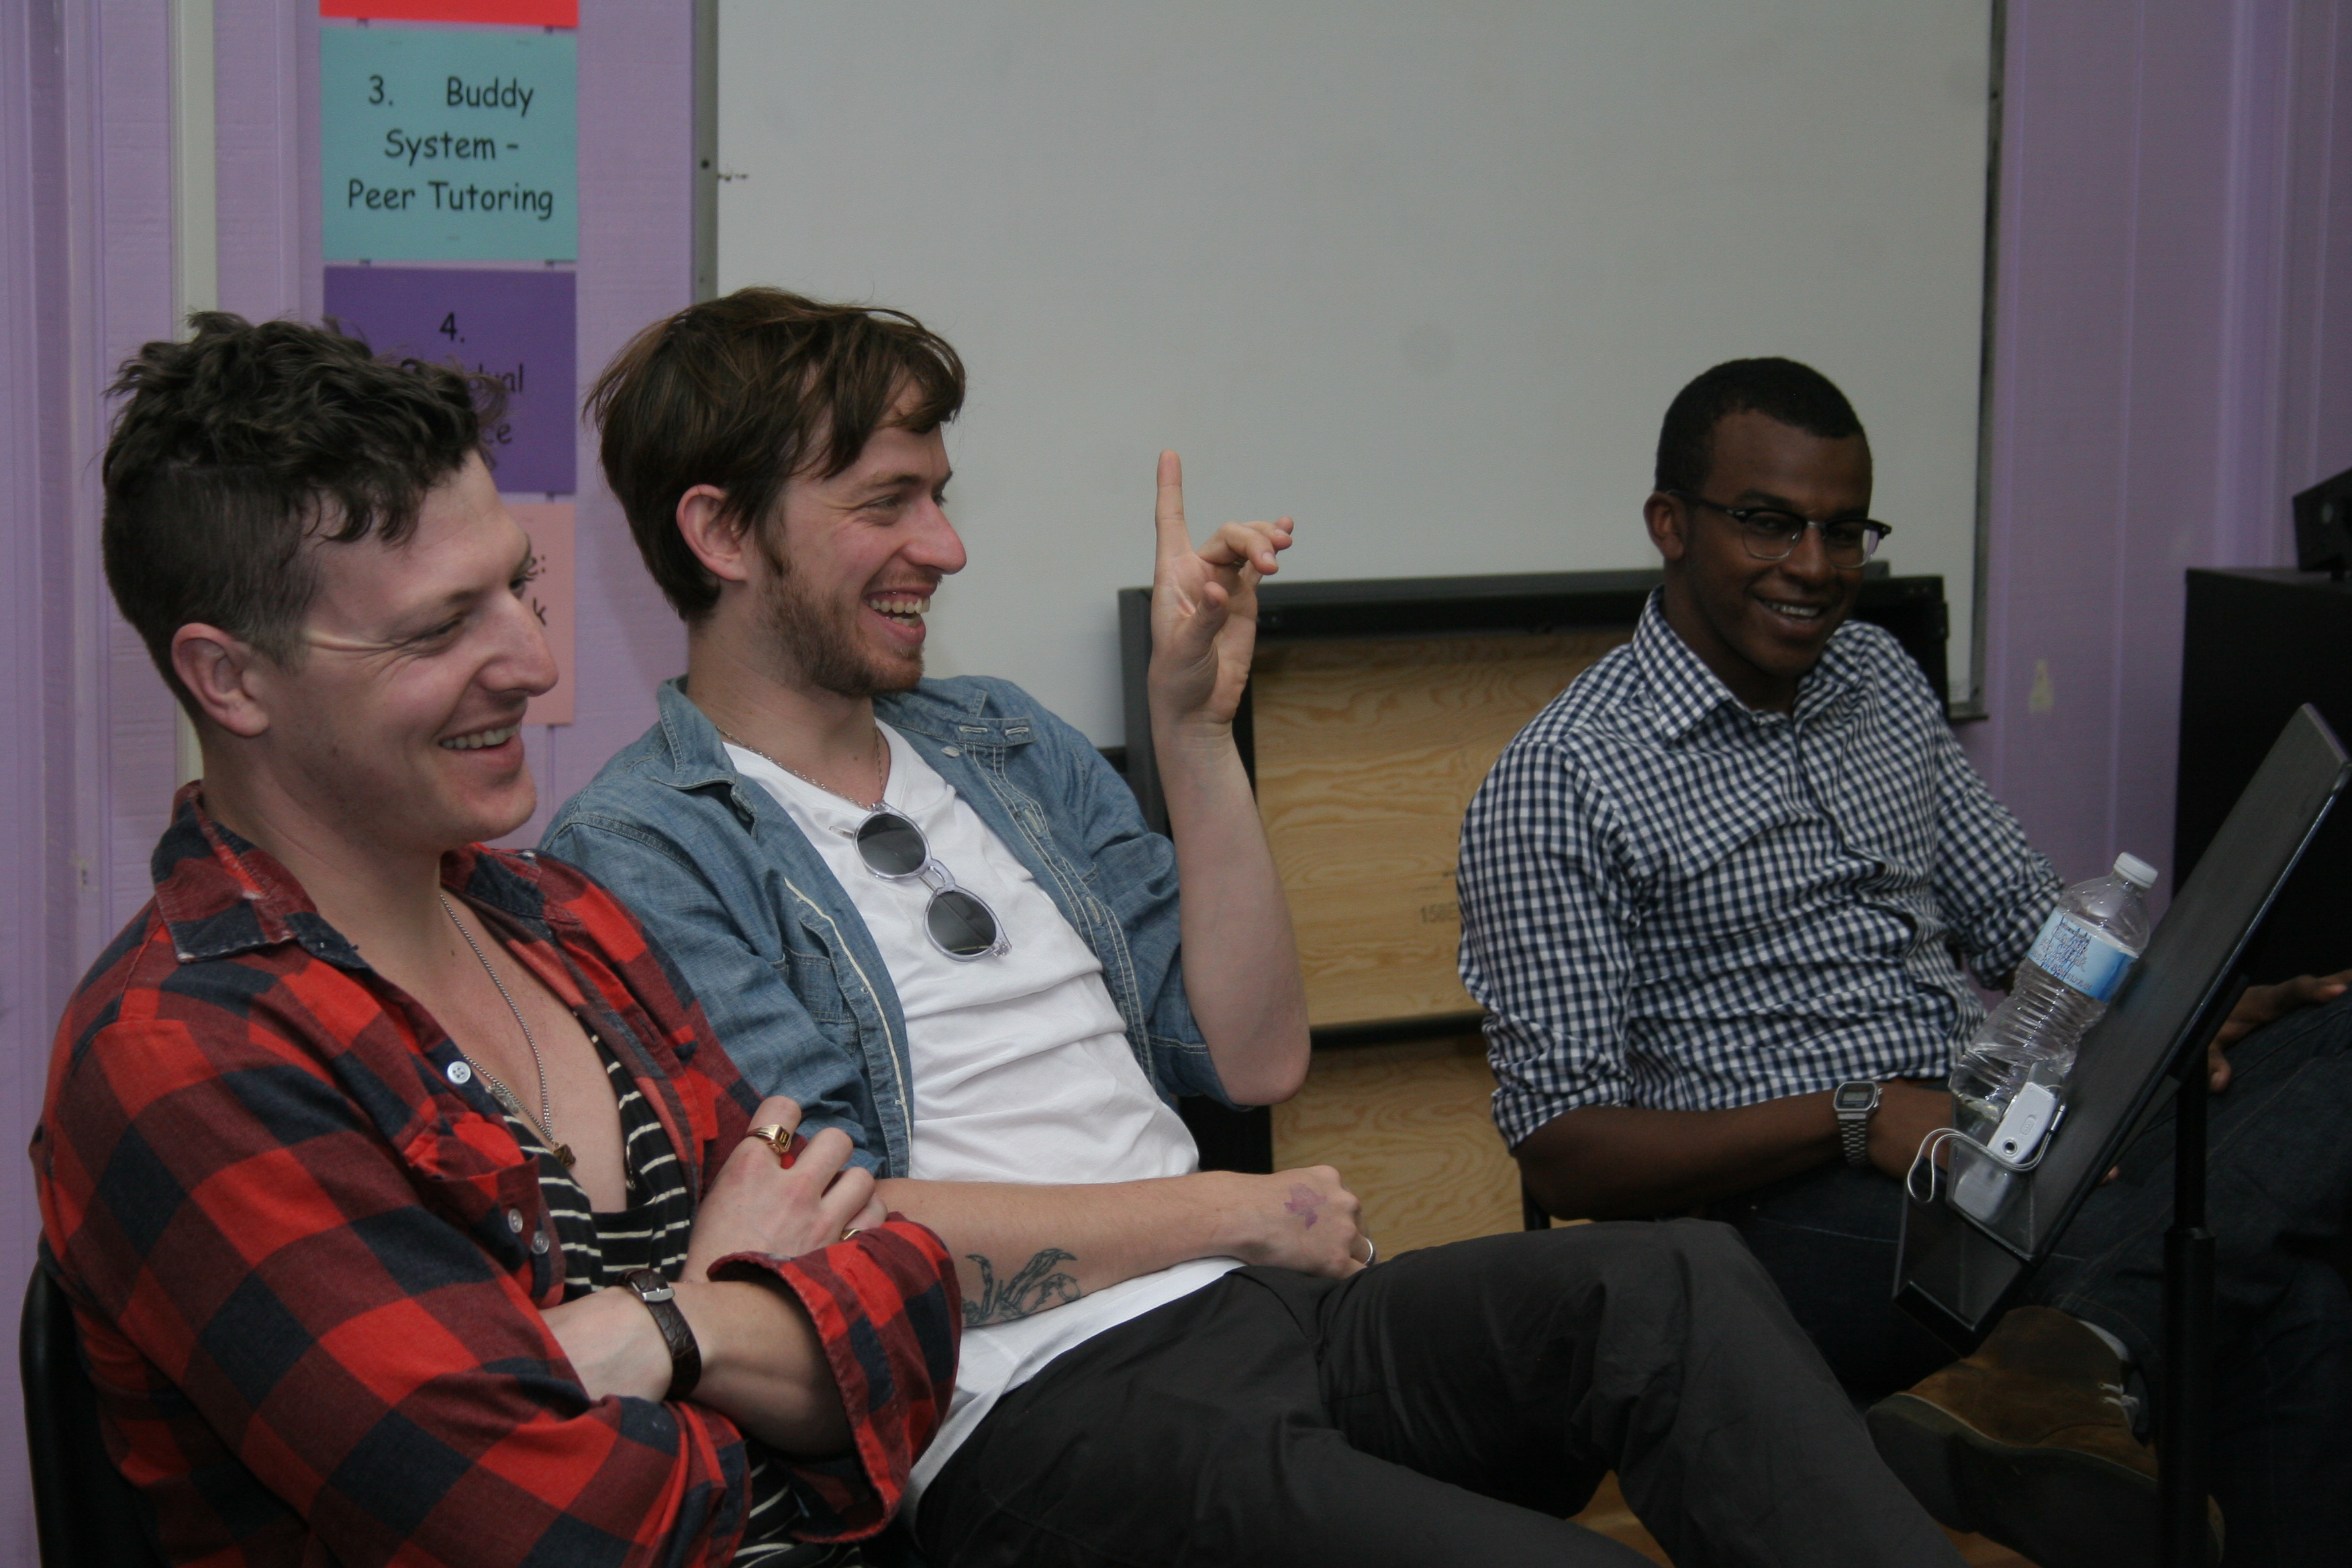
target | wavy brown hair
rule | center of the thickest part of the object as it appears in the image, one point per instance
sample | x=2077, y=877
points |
x=746, y=392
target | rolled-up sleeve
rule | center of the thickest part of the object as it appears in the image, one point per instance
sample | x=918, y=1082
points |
x=1547, y=914
x=261, y=1288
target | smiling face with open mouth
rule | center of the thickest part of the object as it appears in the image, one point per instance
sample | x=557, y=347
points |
x=853, y=563
x=400, y=726
x=1761, y=625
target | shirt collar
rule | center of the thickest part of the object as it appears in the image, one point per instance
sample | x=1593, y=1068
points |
x=219, y=895
x=1686, y=691
x=693, y=754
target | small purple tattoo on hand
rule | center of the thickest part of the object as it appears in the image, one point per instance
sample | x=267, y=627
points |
x=1305, y=1201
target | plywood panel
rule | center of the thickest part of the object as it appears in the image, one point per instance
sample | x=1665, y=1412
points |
x=1368, y=753
x=1408, y=1127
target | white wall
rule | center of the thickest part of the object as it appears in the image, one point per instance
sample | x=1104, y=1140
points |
x=1424, y=276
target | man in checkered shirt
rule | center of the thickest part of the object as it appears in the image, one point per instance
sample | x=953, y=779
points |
x=1734, y=871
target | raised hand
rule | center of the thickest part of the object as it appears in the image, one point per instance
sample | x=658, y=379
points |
x=1204, y=609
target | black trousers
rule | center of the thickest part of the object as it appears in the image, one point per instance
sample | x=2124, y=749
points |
x=1448, y=1407
x=2279, y=1197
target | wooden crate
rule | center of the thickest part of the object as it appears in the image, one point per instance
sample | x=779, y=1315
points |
x=1368, y=753
x=1407, y=1124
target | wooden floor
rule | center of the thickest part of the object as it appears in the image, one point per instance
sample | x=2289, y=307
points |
x=1609, y=1516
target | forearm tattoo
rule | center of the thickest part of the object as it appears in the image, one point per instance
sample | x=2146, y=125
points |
x=1040, y=1283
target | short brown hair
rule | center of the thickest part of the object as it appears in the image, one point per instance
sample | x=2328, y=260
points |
x=745, y=392
x=232, y=450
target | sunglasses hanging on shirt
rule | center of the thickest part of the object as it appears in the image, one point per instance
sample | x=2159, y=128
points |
x=960, y=924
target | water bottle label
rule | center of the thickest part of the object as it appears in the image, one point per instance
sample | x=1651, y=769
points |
x=2081, y=956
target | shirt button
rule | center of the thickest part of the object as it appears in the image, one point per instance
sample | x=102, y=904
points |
x=514, y=1221
x=461, y=1072
x=950, y=751
x=539, y=1244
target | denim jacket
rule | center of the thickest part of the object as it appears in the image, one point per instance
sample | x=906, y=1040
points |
x=718, y=875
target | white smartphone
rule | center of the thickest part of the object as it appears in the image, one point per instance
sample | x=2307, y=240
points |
x=1982, y=1186
x=2027, y=1122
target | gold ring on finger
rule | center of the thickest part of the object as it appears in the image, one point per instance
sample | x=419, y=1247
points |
x=775, y=1135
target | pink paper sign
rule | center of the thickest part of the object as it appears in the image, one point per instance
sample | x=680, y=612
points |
x=522, y=13
x=550, y=525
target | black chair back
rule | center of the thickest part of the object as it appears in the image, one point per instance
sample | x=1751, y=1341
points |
x=87, y=1513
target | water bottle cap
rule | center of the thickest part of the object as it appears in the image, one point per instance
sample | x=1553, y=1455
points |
x=2136, y=871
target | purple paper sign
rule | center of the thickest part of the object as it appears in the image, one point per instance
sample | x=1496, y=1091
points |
x=520, y=326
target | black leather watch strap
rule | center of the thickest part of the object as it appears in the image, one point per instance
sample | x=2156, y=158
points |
x=684, y=1355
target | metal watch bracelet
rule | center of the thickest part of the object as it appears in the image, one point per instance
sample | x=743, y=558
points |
x=1853, y=1119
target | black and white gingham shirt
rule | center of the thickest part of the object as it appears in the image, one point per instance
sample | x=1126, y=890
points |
x=1671, y=901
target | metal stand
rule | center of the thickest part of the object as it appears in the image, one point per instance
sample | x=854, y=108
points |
x=2185, y=1438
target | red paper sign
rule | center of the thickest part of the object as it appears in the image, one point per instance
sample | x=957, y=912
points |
x=510, y=13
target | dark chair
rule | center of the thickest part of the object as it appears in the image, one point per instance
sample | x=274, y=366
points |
x=87, y=1515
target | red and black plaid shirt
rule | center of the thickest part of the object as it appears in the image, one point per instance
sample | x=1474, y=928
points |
x=307, y=1266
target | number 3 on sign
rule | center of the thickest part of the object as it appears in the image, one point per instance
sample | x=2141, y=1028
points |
x=375, y=91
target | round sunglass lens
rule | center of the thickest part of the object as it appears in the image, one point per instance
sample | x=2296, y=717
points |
x=892, y=845
x=961, y=925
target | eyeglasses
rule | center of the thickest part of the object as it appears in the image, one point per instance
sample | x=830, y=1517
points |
x=959, y=923
x=1770, y=534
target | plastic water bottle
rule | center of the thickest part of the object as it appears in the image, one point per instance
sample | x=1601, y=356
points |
x=2086, y=947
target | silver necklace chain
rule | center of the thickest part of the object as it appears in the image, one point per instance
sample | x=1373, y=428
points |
x=546, y=1124
x=881, y=767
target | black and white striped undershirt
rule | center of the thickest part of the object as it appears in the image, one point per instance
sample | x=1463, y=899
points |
x=652, y=1232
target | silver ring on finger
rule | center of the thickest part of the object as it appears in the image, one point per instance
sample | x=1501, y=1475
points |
x=1371, y=1252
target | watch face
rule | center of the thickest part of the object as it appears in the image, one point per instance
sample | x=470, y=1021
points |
x=1854, y=1095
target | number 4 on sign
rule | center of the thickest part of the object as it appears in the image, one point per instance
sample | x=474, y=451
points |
x=448, y=326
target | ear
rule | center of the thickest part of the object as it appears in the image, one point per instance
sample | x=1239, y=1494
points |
x=1666, y=520
x=217, y=669
x=722, y=543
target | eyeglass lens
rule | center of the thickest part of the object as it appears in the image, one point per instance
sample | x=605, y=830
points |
x=892, y=846
x=961, y=924
x=1774, y=536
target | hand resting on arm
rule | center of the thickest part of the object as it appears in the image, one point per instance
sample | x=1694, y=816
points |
x=763, y=1366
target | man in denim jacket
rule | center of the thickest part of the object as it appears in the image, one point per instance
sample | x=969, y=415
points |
x=929, y=912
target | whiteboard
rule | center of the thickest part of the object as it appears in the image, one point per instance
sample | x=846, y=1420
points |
x=1424, y=276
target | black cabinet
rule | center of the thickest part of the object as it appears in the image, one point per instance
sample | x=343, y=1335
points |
x=2259, y=644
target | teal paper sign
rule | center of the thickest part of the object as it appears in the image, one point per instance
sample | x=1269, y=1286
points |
x=448, y=144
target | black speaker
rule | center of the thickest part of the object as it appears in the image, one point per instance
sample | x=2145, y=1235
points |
x=2323, y=526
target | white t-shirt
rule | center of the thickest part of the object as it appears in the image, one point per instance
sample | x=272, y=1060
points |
x=1022, y=1067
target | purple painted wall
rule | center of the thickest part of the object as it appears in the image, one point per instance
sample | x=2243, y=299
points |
x=86, y=730
x=2176, y=275
x=2175, y=248
x=34, y=951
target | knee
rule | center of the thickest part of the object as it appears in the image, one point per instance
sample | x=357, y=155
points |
x=1662, y=1263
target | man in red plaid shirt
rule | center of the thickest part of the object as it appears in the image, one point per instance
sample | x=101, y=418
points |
x=409, y=1210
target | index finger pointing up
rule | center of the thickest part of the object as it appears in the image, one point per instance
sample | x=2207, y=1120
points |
x=1174, y=540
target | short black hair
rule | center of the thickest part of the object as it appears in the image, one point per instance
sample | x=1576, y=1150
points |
x=1796, y=395
x=235, y=450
